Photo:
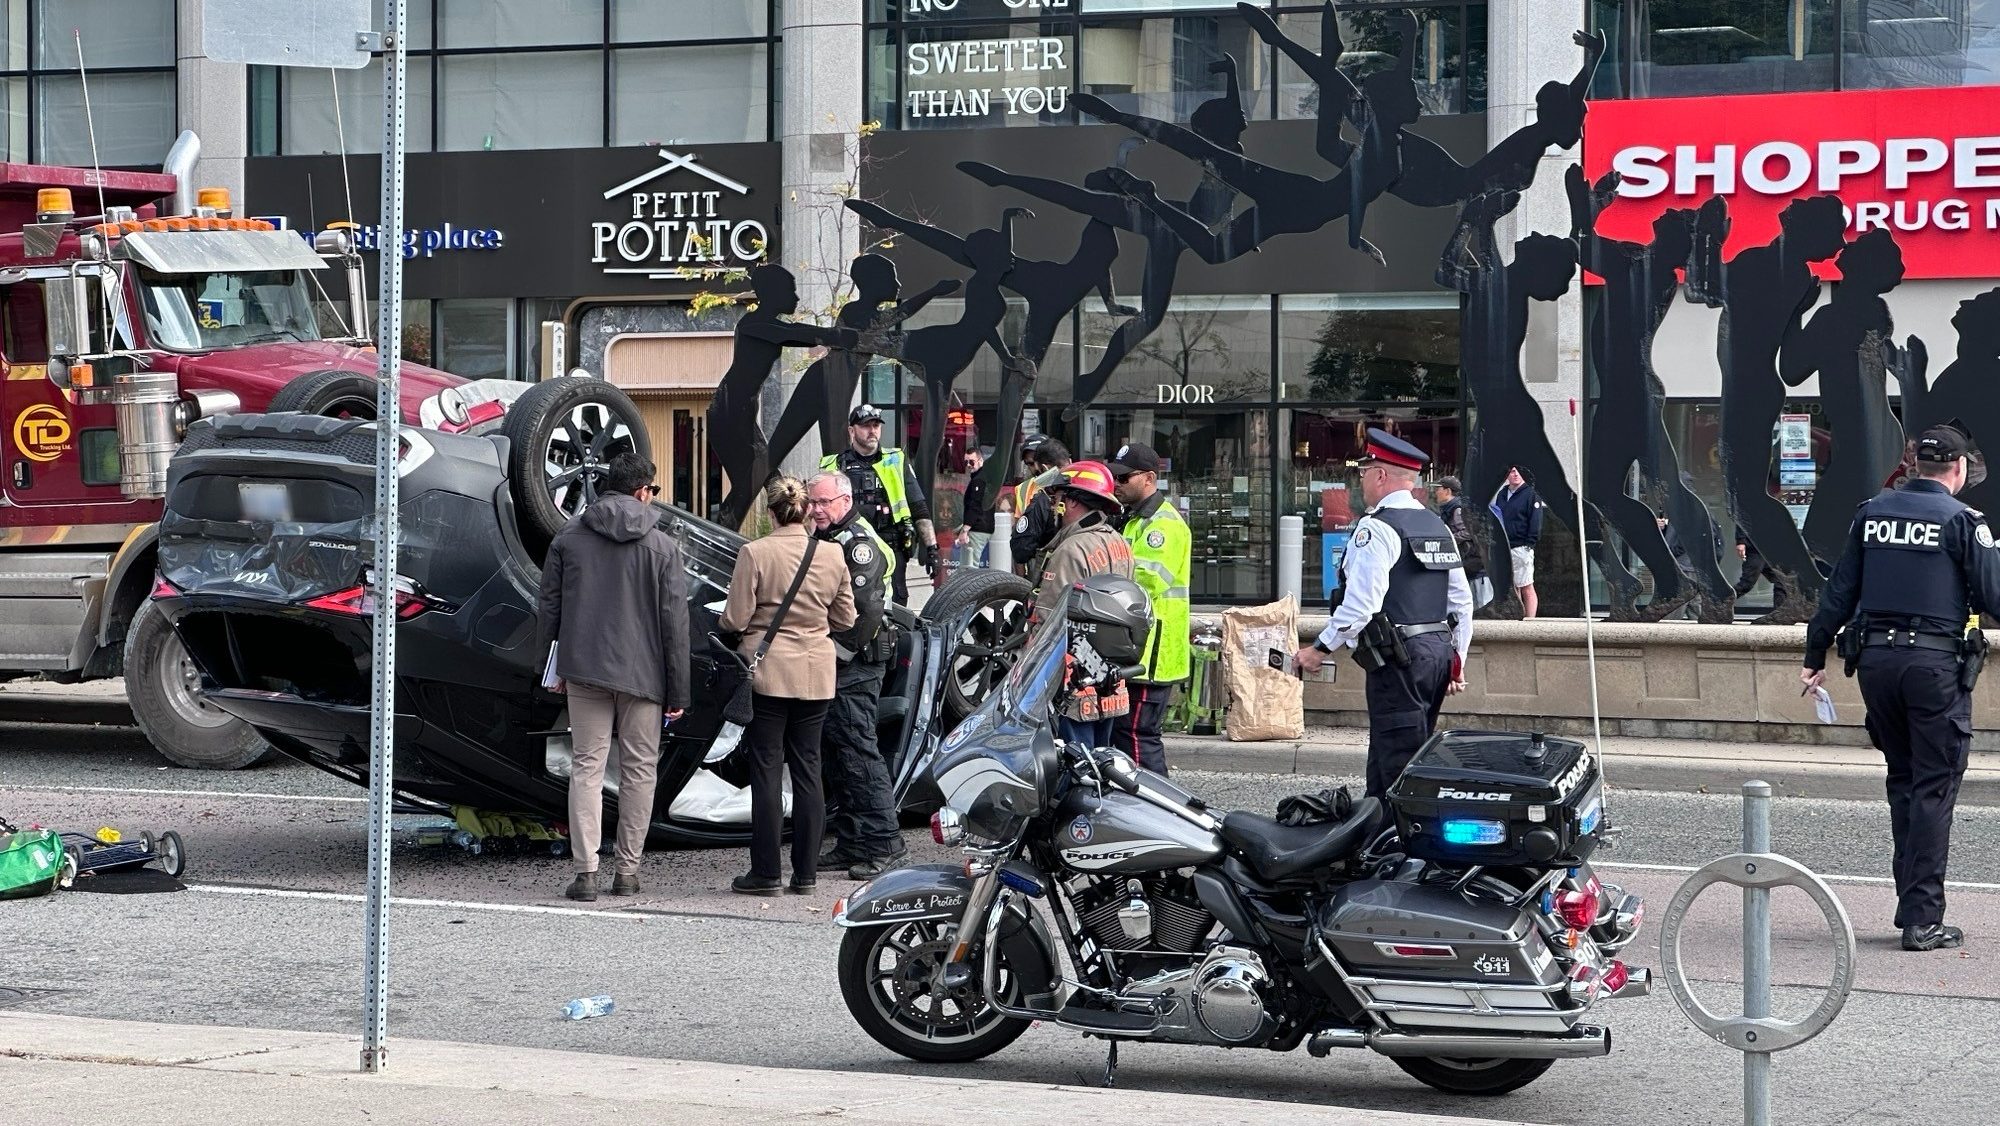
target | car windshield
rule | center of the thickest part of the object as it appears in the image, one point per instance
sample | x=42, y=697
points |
x=202, y=312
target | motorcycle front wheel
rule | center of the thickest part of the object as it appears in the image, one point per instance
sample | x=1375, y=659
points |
x=1473, y=1076
x=888, y=976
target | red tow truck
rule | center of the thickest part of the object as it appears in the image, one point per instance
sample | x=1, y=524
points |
x=118, y=329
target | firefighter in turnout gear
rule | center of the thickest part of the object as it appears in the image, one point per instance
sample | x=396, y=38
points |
x=1407, y=609
x=888, y=495
x=1918, y=568
x=1163, y=555
x=867, y=838
x=1088, y=544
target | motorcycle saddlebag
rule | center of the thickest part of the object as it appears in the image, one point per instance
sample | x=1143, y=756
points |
x=1501, y=799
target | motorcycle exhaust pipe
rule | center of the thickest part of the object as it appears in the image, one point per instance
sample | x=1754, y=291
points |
x=1582, y=1042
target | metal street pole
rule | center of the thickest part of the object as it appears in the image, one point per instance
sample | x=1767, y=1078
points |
x=382, y=582
x=1756, y=954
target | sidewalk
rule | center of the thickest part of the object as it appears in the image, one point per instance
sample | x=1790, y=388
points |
x=58, y=1068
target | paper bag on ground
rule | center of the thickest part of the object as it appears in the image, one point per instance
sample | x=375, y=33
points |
x=1265, y=700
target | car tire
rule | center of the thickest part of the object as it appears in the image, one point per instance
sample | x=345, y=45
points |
x=335, y=394
x=562, y=435
x=998, y=602
x=159, y=686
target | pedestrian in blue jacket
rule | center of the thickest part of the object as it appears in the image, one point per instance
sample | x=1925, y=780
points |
x=1519, y=512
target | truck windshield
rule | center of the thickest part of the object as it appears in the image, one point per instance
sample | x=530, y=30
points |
x=201, y=312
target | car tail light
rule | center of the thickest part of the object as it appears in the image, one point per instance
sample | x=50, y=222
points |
x=947, y=827
x=1578, y=908
x=164, y=589
x=357, y=601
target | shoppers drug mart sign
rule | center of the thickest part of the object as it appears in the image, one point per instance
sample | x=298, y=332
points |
x=1922, y=163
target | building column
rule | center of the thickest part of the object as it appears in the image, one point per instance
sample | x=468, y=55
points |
x=1529, y=44
x=820, y=129
x=214, y=103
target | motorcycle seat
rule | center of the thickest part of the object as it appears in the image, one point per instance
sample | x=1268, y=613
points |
x=1278, y=852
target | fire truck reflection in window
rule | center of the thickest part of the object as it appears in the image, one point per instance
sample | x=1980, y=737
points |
x=203, y=312
x=101, y=463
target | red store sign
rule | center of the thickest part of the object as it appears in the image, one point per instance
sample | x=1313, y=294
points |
x=1923, y=163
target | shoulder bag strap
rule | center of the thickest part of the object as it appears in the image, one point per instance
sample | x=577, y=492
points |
x=778, y=619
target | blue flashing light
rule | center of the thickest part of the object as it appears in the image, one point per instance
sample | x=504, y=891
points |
x=1590, y=816
x=1022, y=882
x=1461, y=831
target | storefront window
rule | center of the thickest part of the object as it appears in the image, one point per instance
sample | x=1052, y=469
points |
x=1318, y=485
x=1160, y=68
x=520, y=23
x=980, y=383
x=1896, y=43
x=1206, y=350
x=649, y=21
x=307, y=114
x=1680, y=48
x=535, y=311
x=475, y=337
x=1371, y=39
x=531, y=101
x=718, y=94
x=1370, y=347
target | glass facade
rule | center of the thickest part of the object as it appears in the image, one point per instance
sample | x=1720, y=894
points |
x=957, y=64
x=1254, y=402
x=128, y=51
x=542, y=74
x=1688, y=48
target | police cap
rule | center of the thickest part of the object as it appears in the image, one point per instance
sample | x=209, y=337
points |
x=1134, y=458
x=863, y=413
x=1944, y=443
x=1388, y=449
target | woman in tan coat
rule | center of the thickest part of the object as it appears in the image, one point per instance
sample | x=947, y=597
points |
x=791, y=688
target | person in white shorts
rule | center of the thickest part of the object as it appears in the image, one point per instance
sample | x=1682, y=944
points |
x=1519, y=511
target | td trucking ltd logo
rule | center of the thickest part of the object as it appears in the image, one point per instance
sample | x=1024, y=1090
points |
x=41, y=432
x=684, y=233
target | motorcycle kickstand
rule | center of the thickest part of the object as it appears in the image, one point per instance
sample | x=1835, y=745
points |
x=1111, y=1066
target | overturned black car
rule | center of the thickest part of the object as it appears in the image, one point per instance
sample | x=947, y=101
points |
x=264, y=551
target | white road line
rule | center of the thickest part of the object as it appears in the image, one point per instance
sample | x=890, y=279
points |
x=1963, y=885
x=400, y=901
x=191, y=793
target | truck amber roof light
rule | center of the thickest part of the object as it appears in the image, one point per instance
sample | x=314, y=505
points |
x=53, y=202
x=177, y=224
x=130, y=226
x=218, y=198
x=154, y=225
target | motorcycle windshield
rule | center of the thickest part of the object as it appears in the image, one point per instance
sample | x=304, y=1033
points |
x=994, y=767
x=1029, y=690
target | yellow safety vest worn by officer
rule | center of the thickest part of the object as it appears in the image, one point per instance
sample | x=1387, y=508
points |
x=1026, y=490
x=1163, y=554
x=889, y=467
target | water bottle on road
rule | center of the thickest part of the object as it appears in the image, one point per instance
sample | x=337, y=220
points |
x=585, y=1007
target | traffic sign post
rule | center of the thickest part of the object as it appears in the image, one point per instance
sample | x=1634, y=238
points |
x=1756, y=1033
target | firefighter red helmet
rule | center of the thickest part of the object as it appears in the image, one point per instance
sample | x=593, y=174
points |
x=1091, y=479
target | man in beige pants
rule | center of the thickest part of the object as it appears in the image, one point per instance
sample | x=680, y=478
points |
x=614, y=605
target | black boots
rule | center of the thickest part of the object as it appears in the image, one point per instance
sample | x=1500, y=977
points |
x=1933, y=936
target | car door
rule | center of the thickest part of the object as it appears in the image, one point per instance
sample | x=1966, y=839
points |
x=62, y=455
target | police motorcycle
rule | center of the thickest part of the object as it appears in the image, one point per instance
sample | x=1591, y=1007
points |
x=1458, y=929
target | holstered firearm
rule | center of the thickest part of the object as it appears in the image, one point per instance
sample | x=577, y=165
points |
x=1847, y=643
x=1972, y=658
x=1380, y=645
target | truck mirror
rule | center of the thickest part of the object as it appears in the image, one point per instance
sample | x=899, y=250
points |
x=68, y=303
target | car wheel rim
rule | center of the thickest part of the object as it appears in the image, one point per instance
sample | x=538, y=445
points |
x=987, y=649
x=180, y=683
x=902, y=985
x=578, y=454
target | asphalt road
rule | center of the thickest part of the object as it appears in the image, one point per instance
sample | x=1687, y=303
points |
x=485, y=950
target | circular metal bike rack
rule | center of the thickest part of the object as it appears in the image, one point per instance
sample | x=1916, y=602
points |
x=1762, y=872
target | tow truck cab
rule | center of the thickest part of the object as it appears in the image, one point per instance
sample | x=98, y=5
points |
x=118, y=328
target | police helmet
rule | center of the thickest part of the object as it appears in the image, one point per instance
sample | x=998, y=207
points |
x=1110, y=616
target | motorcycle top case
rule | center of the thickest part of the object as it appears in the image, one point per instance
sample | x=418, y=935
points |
x=1499, y=798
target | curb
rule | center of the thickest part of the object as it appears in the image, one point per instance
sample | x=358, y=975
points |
x=51, y=707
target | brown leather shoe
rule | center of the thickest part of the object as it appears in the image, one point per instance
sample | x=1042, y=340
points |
x=623, y=884
x=583, y=888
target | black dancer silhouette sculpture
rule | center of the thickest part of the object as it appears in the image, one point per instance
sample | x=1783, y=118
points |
x=1765, y=291
x=1511, y=428
x=1966, y=391
x=1628, y=423
x=938, y=353
x=1219, y=121
x=825, y=392
x=1051, y=289
x=761, y=339
x=1847, y=343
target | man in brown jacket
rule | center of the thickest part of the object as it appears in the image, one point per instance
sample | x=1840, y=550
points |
x=614, y=607
x=1087, y=543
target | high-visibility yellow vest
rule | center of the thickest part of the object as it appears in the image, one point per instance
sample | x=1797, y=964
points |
x=889, y=467
x=1026, y=490
x=1163, y=552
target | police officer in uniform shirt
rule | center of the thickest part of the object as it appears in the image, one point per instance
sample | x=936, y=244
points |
x=867, y=838
x=1917, y=566
x=887, y=493
x=1407, y=609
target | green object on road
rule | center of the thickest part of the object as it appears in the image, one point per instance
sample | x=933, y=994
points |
x=1201, y=706
x=30, y=861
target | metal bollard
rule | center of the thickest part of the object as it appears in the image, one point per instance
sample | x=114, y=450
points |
x=1000, y=549
x=1755, y=1033
x=1291, y=557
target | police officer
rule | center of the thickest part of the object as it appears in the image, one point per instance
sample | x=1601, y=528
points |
x=1407, y=609
x=887, y=493
x=1035, y=522
x=1918, y=564
x=866, y=837
x=1163, y=553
